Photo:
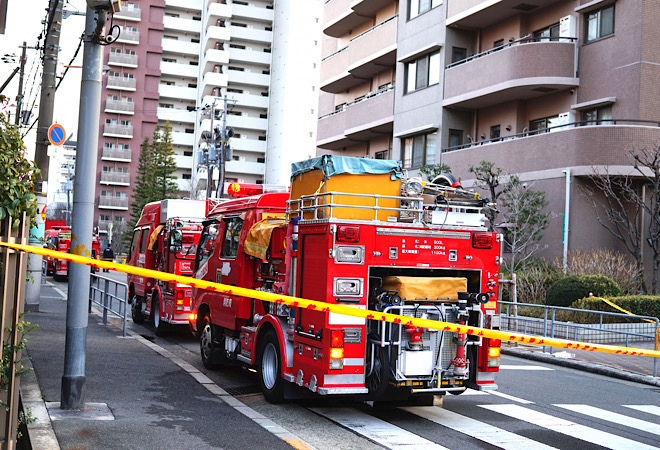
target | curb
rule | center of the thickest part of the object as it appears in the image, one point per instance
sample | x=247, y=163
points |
x=40, y=431
x=581, y=365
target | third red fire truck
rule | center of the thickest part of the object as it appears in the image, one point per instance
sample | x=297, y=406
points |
x=164, y=240
x=359, y=233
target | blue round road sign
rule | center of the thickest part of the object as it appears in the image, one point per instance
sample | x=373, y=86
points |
x=56, y=134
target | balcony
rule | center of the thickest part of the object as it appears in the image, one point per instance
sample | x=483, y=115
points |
x=179, y=24
x=248, y=145
x=121, y=83
x=477, y=14
x=251, y=35
x=132, y=15
x=252, y=12
x=249, y=56
x=119, y=107
x=217, y=11
x=245, y=122
x=183, y=162
x=177, y=92
x=183, y=139
x=520, y=71
x=214, y=79
x=180, y=47
x=252, y=101
x=366, y=55
x=213, y=57
x=184, y=5
x=369, y=8
x=216, y=34
x=359, y=121
x=116, y=154
x=122, y=59
x=582, y=147
x=128, y=37
x=340, y=18
x=249, y=78
x=117, y=130
x=176, y=115
x=114, y=178
x=107, y=202
x=245, y=167
x=181, y=70
x=103, y=225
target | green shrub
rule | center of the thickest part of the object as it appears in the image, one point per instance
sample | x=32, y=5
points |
x=566, y=290
x=642, y=305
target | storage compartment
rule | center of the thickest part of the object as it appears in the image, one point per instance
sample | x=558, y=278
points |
x=368, y=178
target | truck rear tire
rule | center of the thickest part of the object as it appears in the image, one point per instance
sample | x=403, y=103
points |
x=377, y=377
x=270, y=368
x=136, y=309
x=160, y=326
x=211, y=353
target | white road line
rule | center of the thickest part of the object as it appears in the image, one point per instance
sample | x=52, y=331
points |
x=59, y=291
x=473, y=392
x=510, y=397
x=476, y=429
x=577, y=431
x=610, y=416
x=651, y=409
x=376, y=430
x=513, y=367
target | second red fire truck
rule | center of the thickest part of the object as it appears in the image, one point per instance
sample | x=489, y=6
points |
x=359, y=233
x=164, y=240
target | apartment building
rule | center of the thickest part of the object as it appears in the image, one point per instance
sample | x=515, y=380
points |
x=176, y=60
x=552, y=90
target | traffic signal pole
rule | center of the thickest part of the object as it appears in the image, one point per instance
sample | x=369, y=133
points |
x=73, y=379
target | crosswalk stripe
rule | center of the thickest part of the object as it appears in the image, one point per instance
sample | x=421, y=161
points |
x=510, y=397
x=610, y=416
x=514, y=367
x=379, y=431
x=651, y=409
x=474, y=428
x=566, y=427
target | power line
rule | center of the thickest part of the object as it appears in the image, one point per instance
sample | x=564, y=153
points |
x=71, y=62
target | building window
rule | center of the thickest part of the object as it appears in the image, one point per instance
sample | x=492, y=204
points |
x=423, y=72
x=419, y=150
x=455, y=138
x=597, y=116
x=458, y=54
x=495, y=132
x=599, y=23
x=550, y=33
x=381, y=155
x=417, y=7
x=540, y=125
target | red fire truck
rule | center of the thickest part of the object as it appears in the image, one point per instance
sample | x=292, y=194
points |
x=359, y=233
x=164, y=240
x=60, y=240
x=50, y=237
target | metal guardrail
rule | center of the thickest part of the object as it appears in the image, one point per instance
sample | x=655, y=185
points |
x=111, y=296
x=646, y=329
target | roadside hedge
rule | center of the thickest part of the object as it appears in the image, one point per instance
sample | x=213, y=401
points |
x=567, y=290
x=642, y=305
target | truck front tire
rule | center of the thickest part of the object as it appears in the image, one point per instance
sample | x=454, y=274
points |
x=159, y=325
x=211, y=353
x=136, y=309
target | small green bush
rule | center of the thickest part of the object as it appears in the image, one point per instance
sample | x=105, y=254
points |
x=642, y=305
x=567, y=290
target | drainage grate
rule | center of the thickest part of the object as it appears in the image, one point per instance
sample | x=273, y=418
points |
x=243, y=390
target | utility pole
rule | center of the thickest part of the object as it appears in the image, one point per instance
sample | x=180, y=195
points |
x=19, y=97
x=73, y=379
x=46, y=105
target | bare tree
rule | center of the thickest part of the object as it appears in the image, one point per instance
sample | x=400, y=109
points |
x=630, y=201
x=524, y=222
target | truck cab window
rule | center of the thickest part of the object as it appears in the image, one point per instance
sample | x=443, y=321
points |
x=233, y=226
x=206, y=244
x=144, y=239
x=134, y=243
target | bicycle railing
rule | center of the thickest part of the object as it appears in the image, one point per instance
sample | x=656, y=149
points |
x=111, y=296
x=646, y=328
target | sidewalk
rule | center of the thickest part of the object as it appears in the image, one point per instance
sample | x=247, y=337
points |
x=175, y=406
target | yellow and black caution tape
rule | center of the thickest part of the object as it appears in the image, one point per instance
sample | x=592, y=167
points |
x=339, y=309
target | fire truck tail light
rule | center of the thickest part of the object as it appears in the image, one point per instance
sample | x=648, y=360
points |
x=192, y=317
x=482, y=240
x=494, y=352
x=179, y=295
x=337, y=338
x=348, y=233
x=336, y=353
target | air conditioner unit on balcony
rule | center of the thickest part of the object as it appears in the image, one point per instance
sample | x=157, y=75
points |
x=563, y=119
x=241, y=158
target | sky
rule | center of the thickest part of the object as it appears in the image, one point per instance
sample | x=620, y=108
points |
x=24, y=19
